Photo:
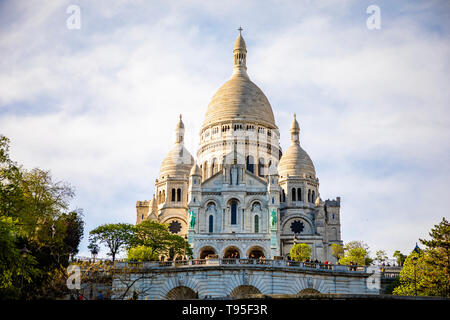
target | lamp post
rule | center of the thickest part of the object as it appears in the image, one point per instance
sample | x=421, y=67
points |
x=185, y=240
x=414, y=261
x=295, y=248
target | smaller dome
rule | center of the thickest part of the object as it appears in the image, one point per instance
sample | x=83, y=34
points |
x=178, y=162
x=195, y=171
x=296, y=162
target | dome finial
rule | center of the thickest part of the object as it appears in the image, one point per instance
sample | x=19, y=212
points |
x=295, y=130
x=179, y=131
x=240, y=53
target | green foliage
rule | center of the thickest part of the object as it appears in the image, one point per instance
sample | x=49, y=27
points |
x=300, y=252
x=400, y=257
x=426, y=273
x=381, y=256
x=337, y=251
x=115, y=236
x=158, y=237
x=356, y=252
x=142, y=253
x=37, y=232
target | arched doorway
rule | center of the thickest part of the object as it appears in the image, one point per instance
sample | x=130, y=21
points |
x=206, y=251
x=231, y=252
x=243, y=291
x=180, y=293
x=309, y=291
x=256, y=253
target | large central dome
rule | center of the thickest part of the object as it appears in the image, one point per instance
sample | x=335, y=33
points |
x=239, y=98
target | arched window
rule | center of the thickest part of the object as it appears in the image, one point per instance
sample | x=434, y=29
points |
x=205, y=170
x=313, y=196
x=261, y=167
x=178, y=195
x=164, y=196
x=309, y=195
x=173, y=195
x=233, y=212
x=213, y=166
x=250, y=164
x=293, y=195
x=299, y=194
x=283, y=195
x=256, y=224
x=211, y=224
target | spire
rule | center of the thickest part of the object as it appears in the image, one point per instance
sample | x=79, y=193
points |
x=240, y=54
x=295, y=131
x=179, y=131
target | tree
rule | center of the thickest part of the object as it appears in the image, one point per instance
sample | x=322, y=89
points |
x=94, y=249
x=337, y=251
x=438, y=256
x=142, y=253
x=356, y=252
x=114, y=236
x=157, y=236
x=39, y=231
x=381, y=256
x=400, y=257
x=300, y=252
x=426, y=272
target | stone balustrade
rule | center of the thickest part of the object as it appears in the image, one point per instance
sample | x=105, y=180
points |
x=251, y=263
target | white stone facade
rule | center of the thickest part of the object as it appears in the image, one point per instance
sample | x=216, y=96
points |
x=248, y=197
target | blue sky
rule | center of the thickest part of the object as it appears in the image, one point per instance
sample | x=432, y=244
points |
x=98, y=106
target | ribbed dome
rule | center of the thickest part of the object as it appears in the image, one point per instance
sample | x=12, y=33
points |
x=239, y=99
x=178, y=162
x=296, y=162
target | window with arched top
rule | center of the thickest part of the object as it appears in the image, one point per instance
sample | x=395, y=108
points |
x=313, y=196
x=309, y=196
x=173, y=198
x=256, y=224
x=178, y=195
x=261, y=167
x=211, y=224
x=283, y=195
x=293, y=194
x=250, y=164
x=299, y=194
x=213, y=166
x=233, y=212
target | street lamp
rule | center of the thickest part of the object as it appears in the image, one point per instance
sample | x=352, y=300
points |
x=295, y=249
x=414, y=261
x=185, y=240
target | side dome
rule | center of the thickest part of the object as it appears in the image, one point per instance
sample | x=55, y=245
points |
x=295, y=161
x=178, y=161
x=239, y=98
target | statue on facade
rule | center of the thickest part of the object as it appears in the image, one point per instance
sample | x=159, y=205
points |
x=273, y=219
x=192, y=217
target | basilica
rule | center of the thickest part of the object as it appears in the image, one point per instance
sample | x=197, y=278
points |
x=243, y=196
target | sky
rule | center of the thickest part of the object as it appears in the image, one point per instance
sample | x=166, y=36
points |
x=97, y=105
